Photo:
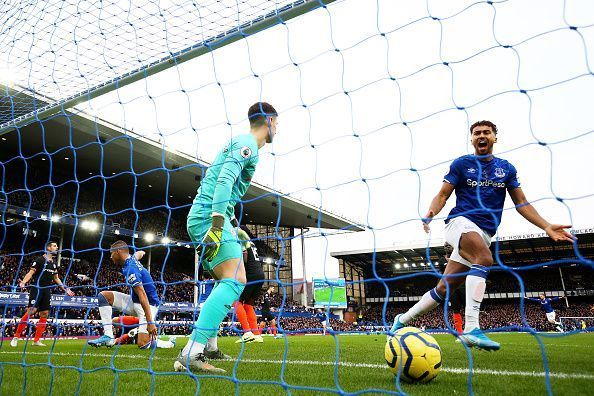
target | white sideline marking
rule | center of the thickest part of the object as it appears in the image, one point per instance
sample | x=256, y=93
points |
x=452, y=370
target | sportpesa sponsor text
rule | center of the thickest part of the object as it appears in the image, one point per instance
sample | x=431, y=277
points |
x=485, y=183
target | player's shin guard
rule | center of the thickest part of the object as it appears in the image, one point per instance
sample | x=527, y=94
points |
x=216, y=306
x=252, y=319
x=105, y=312
x=41, y=324
x=475, y=291
x=427, y=303
x=22, y=325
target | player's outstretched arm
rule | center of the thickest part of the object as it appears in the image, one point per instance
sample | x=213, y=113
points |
x=144, y=303
x=58, y=282
x=437, y=204
x=27, y=278
x=556, y=232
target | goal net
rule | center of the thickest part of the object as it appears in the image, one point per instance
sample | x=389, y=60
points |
x=112, y=111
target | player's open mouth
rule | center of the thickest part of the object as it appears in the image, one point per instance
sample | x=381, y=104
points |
x=483, y=143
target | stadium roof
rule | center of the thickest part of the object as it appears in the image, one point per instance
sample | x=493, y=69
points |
x=100, y=145
x=517, y=251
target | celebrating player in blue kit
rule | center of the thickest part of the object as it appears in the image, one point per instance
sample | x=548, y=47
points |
x=209, y=227
x=142, y=301
x=545, y=305
x=480, y=181
x=324, y=320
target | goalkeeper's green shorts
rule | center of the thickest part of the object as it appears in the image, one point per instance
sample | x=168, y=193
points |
x=230, y=247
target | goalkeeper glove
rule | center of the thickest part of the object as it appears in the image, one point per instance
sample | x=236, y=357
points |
x=212, y=239
x=244, y=238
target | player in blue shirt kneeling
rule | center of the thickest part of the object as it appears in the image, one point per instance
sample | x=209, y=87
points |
x=142, y=302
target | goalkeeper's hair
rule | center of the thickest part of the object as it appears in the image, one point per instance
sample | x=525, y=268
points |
x=50, y=243
x=484, y=123
x=119, y=244
x=258, y=112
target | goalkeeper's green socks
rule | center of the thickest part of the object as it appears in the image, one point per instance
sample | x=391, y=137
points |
x=213, y=311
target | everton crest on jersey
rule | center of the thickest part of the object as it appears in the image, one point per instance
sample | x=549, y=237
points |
x=492, y=179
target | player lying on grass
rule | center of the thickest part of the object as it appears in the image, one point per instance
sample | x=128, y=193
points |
x=210, y=229
x=44, y=272
x=545, y=305
x=480, y=181
x=142, y=301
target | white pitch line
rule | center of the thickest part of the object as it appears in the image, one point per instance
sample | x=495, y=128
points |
x=451, y=370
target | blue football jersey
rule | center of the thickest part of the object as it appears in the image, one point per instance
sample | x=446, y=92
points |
x=205, y=288
x=321, y=316
x=480, y=188
x=545, y=304
x=136, y=275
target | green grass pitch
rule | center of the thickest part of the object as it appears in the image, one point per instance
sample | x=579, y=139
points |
x=338, y=293
x=516, y=369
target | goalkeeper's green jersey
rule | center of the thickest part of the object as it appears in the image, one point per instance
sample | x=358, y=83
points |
x=227, y=179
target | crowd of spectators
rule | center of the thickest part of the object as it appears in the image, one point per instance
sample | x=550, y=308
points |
x=536, y=280
x=89, y=272
x=495, y=314
x=289, y=305
x=300, y=324
x=8, y=264
x=54, y=328
x=87, y=279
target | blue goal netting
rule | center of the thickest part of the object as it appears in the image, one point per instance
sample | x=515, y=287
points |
x=111, y=112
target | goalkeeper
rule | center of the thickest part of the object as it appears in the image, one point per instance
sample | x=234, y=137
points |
x=219, y=250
